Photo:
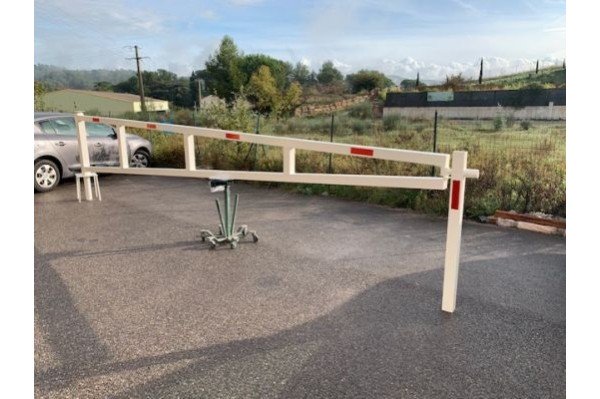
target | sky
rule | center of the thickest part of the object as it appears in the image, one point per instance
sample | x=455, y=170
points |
x=398, y=37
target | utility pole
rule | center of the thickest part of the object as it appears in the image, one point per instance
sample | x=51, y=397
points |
x=137, y=59
x=481, y=71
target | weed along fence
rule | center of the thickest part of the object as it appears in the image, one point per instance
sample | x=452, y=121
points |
x=450, y=168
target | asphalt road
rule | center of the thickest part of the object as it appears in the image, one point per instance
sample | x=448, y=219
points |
x=337, y=299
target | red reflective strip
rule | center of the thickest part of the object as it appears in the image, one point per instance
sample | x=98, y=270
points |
x=361, y=151
x=455, y=194
x=95, y=119
x=151, y=125
x=232, y=136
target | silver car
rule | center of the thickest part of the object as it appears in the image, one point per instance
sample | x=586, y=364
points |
x=56, y=154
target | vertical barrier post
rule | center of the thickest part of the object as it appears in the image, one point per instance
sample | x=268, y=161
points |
x=289, y=160
x=84, y=157
x=123, y=153
x=190, y=155
x=330, y=169
x=455, y=218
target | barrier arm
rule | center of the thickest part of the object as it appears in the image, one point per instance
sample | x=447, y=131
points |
x=457, y=173
x=289, y=147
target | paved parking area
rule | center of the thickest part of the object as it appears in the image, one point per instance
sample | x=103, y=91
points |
x=338, y=299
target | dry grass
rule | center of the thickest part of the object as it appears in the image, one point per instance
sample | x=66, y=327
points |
x=521, y=170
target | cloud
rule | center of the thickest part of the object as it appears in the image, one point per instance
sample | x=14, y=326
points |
x=208, y=14
x=467, y=7
x=557, y=29
x=305, y=61
x=244, y=3
x=342, y=66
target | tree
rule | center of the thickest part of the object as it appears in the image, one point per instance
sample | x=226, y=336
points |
x=127, y=86
x=301, y=74
x=262, y=90
x=39, y=89
x=280, y=70
x=160, y=84
x=410, y=84
x=224, y=76
x=329, y=74
x=291, y=99
x=368, y=80
x=103, y=86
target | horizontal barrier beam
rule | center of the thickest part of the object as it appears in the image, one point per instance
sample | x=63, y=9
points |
x=390, y=154
x=457, y=172
x=413, y=182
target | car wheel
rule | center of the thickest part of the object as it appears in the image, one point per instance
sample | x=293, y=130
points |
x=141, y=159
x=46, y=175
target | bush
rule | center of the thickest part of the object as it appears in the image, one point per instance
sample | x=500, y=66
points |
x=184, y=117
x=362, y=111
x=237, y=117
x=510, y=120
x=359, y=126
x=454, y=82
x=525, y=125
x=368, y=80
x=391, y=122
x=498, y=123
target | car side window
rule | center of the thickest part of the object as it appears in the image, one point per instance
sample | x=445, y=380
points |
x=98, y=130
x=47, y=128
x=63, y=126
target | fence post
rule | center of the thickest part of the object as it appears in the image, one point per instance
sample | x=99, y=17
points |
x=123, y=153
x=253, y=146
x=189, y=149
x=84, y=157
x=435, y=119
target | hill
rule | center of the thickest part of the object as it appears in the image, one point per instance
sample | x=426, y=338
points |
x=546, y=78
x=54, y=77
x=551, y=77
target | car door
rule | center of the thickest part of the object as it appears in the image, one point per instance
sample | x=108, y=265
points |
x=63, y=135
x=105, y=147
x=65, y=140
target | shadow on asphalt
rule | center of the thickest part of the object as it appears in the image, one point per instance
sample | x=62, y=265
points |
x=389, y=341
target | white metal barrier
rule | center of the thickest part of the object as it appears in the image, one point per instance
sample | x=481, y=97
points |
x=456, y=172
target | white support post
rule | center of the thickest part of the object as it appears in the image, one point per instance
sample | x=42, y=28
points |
x=455, y=219
x=289, y=160
x=189, y=149
x=123, y=152
x=84, y=157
